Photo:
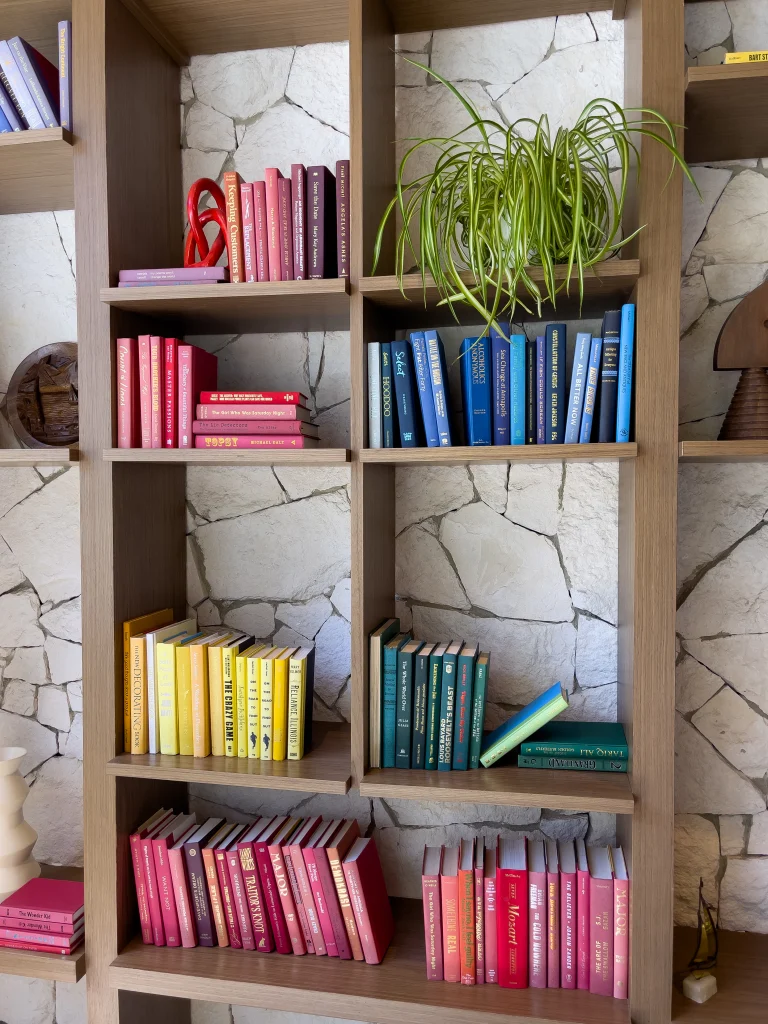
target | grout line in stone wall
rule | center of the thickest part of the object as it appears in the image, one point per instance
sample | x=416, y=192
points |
x=690, y=584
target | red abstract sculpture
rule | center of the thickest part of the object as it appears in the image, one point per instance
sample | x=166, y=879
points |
x=197, y=243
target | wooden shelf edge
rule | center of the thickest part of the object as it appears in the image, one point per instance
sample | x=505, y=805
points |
x=501, y=453
x=231, y=457
x=176, y=294
x=36, y=137
x=725, y=72
x=45, y=966
x=134, y=767
x=38, y=456
x=723, y=451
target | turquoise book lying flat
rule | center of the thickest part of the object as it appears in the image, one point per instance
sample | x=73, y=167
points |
x=520, y=726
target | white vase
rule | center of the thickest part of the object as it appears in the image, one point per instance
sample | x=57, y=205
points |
x=17, y=865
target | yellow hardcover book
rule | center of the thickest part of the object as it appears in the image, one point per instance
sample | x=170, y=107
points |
x=254, y=701
x=201, y=708
x=139, y=720
x=297, y=670
x=747, y=57
x=184, y=695
x=280, y=705
x=166, y=696
x=241, y=697
x=132, y=627
x=228, y=656
x=265, y=703
x=216, y=696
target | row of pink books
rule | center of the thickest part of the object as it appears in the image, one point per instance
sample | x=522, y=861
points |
x=536, y=914
x=254, y=419
x=290, y=885
x=46, y=915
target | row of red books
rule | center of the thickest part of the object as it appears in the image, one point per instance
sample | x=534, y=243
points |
x=254, y=419
x=290, y=885
x=46, y=915
x=537, y=914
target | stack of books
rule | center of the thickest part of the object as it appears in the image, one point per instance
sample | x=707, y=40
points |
x=214, y=691
x=277, y=884
x=34, y=93
x=577, y=746
x=254, y=419
x=46, y=915
x=512, y=389
x=527, y=914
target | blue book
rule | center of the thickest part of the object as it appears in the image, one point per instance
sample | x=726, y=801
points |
x=501, y=387
x=578, y=379
x=33, y=66
x=389, y=699
x=475, y=355
x=439, y=377
x=65, y=74
x=9, y=110
x=405, y=393
x=541, y=391
x=626, y=353
x=522, y=725
x=590, y=391
x=388, y=403
x=555, y=349
x=5, y=125
x=434, y=684
x=13, y=80
x=517, y=377
x=447, y=707
x=462, y=726
x=424, y=386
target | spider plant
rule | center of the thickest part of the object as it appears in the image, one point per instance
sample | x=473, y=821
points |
x=500, y=200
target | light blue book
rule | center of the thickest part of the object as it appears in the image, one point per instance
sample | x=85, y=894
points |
x=439, y=378
x=522, y=725
x=626, y=353
x=517, y=380
x=590, y=391
x=578, y=379
x=424, y=387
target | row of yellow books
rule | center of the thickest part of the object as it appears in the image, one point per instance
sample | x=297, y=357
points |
x=214, y=691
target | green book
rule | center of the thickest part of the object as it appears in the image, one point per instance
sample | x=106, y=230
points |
x=404, y=703
x=378, y=640
x=389, y=699
x=433, y=707
x=519, y=727
x=462, y=726
x=419, y=720
x=478, y=708
x=447, y=707
x=578, y=739
x=573, y=764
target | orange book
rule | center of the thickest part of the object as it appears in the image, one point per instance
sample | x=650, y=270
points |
x=132, y=627
x=139, y=713
x=467, y=911
x=232, y=182
x=212, y=877
x=449, y=899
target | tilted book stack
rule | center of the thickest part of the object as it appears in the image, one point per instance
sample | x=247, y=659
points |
x=254, y=419
x=45, y=915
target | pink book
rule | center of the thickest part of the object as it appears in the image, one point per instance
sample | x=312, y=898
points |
x=239, y=896
x=285, y=213
x=128, y=426
x=315, y=883
x=181, y=894
x=620, y=925
x=249, y=232
x=197, y=372
x=260, y=230
x=51, y=899
x=489, y=923
x=287, y=886
x=582, y=917
x=145, y=391
x=600, y=921
x=313, y=933
x=299, y=197
x=252, y=411
x=18, y=938
x=430, y=897
x=479, y=911
x=272, y=896
x=273, y=175
x=567, y=914
x=150, y=887
x=449, y=913
x=537, y=914
x=553, y=915
x=161, y=843
x=156, y=390
x=170, y=392
x=262, y=933
x=267, y=441
x=329, y=888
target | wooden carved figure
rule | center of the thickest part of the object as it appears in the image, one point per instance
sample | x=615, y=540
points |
x=743, y=345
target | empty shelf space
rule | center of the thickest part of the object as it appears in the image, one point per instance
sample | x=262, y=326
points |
x=742, y=984
x=726, y=112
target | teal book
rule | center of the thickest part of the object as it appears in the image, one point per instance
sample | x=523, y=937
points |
x=578, y=739
x=462, y=722
x=404, y=703
x=478, y=708
x=519, y=727
x=432, y=743
x=378, y=640
x=573, y=764
x=389, y=699
x=447, y=707
x=419, y=716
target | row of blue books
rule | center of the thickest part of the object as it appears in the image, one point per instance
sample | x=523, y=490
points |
x=513, y=389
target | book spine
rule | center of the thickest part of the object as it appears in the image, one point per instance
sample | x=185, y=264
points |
x=240, y=899
x=553, y=930
x=467, y=927
x=537, y=927
x=284, y=872
x=17, y=90
x=374, y=395
x=262, y=934
x=186, y=396
x=567, y=930
x=404, y=710
x=747, y=57
x=296, y=685
x=576, y=764
x=273, y=175
x=166, y=698
x=541, y=391
x=299, y=197
x=127, y=392
x=216, y=898
x=44, y=927
x=404, y=392
x=241, y=706
x=433, y=931
x=280, y=710
x=307, y=901
x=424, y=387
x=253, y=398
x=265, y=708
x=332, y=903
x=620, y=938
x=5, y=124
x=447, y=711
x=174, y=275
x=254, y=708
x=389, y=709
x=254, y=441
x=346, y=907
x=463, y=713
x=153, y=898
x=439, y=380
x=419, y=721
x=198, y=891
x=360, y=910
x=388, y=425
x=24, y=914
x=54, y=943
x=490, y=927
x=517, y=388
x=578, y=381
x=542, y=749
x=139, y=720
x=342, y=217
x=318, y=897
x=555, y=348
x=449, y=909
x=285, y=213
x=479, y=927
x=170, y=392
x=232, y=926
x=38, y=947
x=249, y=232
x=432, y=738
x=590, y=391
x=182, y=898
x=145, y=391
x=299, y=919
x=626, y=353
x=250, y=411
x=582, y=930
x=165, y=893
x=8, y=107
x=35, y=82
x=272, y=898
x=316, y=200
x=228, y=689
x=201, y=729
x=601, y=936
x=231, y=183
x=261, y=230
x=609, y=385
x=475, y=362
x=141, y=890
x=512, y=932
x=156, y=391
x=500, y=358
x=478, y=713
x=530, y=392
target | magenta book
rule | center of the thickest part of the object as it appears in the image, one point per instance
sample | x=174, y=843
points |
x=253, y=441
x=249, y=231
x=342, y=217
x=553, y=915
x=283, y=427
x=567, y=915
x=197, y=372
x=620, y=925
x=128, y=431
x=273, y=175
x=163, y=274
x=285, y=214
x=299, y=199
x=145, y=391
x=252, y=412
x=489, y=923
x=257, y=397
x=537, y=914
x=479, y=911
x=582, y=917
x=430, y=896
x=600, y=921
x=46, y=899
x=260, y=230
x=156, y=390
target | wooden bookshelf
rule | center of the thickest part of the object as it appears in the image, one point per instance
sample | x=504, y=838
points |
x=36, y=170
x=460, y=454
x=723, y=451
x=38, y=456
x=742, y=984
x=726, y=112
x=229, y=456
x=35, y=21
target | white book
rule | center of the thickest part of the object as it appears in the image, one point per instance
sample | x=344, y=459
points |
x=159, y=636
x=374, y=395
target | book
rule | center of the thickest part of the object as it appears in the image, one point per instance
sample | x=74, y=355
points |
x=325, y=876
x=8, y=108
x=17, y=89
x=231, y=183
x=419, y=715
x=337, y=851
x=747, y=57
x=578, y=764
x=512, y=922
x=266, y=703
x=239, y=894
x=502, y=372
x=553, y=914
x=479, y=895
x=229, y=652
x=272, y=176
x=438, y=373
x=462, y=727
x=150, y=827
x=52, y=900
x=555, y=408
x=262, y=933
x=261, y=230
x=174, y=275
x=369, y=899
x=447, y=706
x=479, y=690
x=167, y=702
x=537, y=914
x=241, y=697
x=517, y=407
x=388, y=402
x=180, y=827
x=568, y=915
x=38, y=947
x=374, y=395
x=263, y=427
x=285, y=218
x=5, y=124
x=127, y=371
x=40, y=77
x=404, y=711
x=342, y=217
x=139, y=720
x=626, y=353
x=377, y=641
x=43, y=927
x=199, y=682
x=408, y=419
x=252, y=411
x=253, y=397
x=609, y=376
x=490, y=918
x=432, y=721
x=297, y=681
x=541, y=390
x=578, y=382
x=620, y=924
x=214, y=441
x=467, y=912
x=520, y=726
x=299, y=201
x=600, y=920
x=185, y=703
x=302, y=669
x=530, y=392
x=17, y=938
x=272, y=897
x=582, y=917
x=309, y=852
x=474, y=364
x=197, y=372
x=181, y=895
x=389, y=699
x=449, y=911
x=253, y=700
x=280, y=704
x=227, y=922
x=132, y=628
x=578, y=739
x=280, y=848
x=156, y=391
x=249, y=232
x=306, y=908
x=170, y=388
x=216, y=692
x=590, y=391
x=321, y=222
x=430, y=899
x=424, y=389
x=149, y=876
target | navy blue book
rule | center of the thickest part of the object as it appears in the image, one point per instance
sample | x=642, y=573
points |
x=447, y=707
x=9, y=111
x=462, y=725
x=408, y=417
x=541, y=391
x=424, y=386
x=555, y=411
x=500, y=351
x=404, y=703
x=388, y=403
x=609, y=376
x=475, y=356
x=389, y=699
x=434, y=685
x=419, y=716
x=530, y=392
x=438, y=373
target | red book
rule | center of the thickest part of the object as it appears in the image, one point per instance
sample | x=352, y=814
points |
x=553, y=915
x=215, y=889
x=170, y=393
x=512, y=896
x=309, y=851
x=342, y=217
x=369, y=899
x=42, y=927
x=287, y=886
x=479, y=911
x=620, y=925
x=284, y=428
x=37, y=947
x=197, y=372
x=156, y=390
x=232, y=926
x=256, y=397
x=151, y=889
x=567, y=915
x=145, y=391
x=261, y=233
x=50, y=943
x=273, y=175
x=582, y=916
x=537, y=914
x=249, y=232
x=308, y=915
x=128, y=423
x=181, y=894
x=239, y=894
x=198, y=881
x=467, y=912
x=298, y=891
x=231, y=187
x=337, y=850
x=285, y=213
x=449, y=911
x=299, y=197
x=253, y=441
x=491, y=951
x=430, y=898
x=252, y=411
x=329, y=888
x=600, y=921
x=262, y=933
x=272, y=898
x=180, y=826
x=155, y=823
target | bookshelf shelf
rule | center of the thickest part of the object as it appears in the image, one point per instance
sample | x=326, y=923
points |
x=325, y=769
x=742, y=985
x=393, y=992
x=38, y=456
x=723, y=451
x=726, y=112
x=500, y=453
x=36, y=170
x=230, y=457
x=275, y=306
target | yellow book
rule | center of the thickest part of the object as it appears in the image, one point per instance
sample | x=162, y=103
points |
x=265, y=703
x=241, y=697
x=216, y=695
x=747, y=57
x=201, y=708
x=184, y=694
x=254, y=701
x=165, y=659
x=280, y=705
x=139, y=732
x=230, y=650
x=297, y=695
x=131, y=628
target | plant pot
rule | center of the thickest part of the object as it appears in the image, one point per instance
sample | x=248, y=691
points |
x=17, y=865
